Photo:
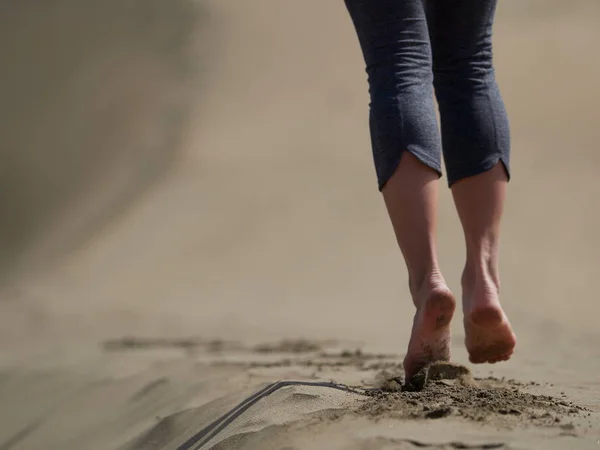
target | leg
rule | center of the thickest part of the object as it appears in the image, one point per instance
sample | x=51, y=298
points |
x=407, y=153
x=475, y=135
x=479, y=201
x=411, y=199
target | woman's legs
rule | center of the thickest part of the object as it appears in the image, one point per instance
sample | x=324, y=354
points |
x=475, y=135
x=394, y=39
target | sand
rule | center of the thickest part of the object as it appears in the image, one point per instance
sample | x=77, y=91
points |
x=195, y=254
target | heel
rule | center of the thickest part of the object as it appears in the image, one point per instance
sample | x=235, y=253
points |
x=488, y=317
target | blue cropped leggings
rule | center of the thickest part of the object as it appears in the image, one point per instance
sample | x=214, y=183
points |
x=413, y=49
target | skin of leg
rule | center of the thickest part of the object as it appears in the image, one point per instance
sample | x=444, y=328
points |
x=475, y=135
x=479, y=201
x=394, y=38
x=411, y=197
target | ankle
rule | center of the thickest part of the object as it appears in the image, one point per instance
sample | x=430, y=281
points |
x=481, y=275
x=425, y=281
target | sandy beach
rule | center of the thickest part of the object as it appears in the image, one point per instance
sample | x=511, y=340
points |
x=196, y=256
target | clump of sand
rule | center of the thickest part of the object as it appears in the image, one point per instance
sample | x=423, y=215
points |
x=443, y=389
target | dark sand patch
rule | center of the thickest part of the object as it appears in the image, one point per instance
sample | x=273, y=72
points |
x=215, y=345
x=284, y=353
x=385, y=443
x=446, y=389
x=188, y=344
x=319, y=361
x=289, y=346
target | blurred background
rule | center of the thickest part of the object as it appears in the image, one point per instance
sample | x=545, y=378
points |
x=176, y=168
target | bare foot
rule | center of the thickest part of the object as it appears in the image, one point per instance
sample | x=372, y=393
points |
x=430, y=338
x=489, y=337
